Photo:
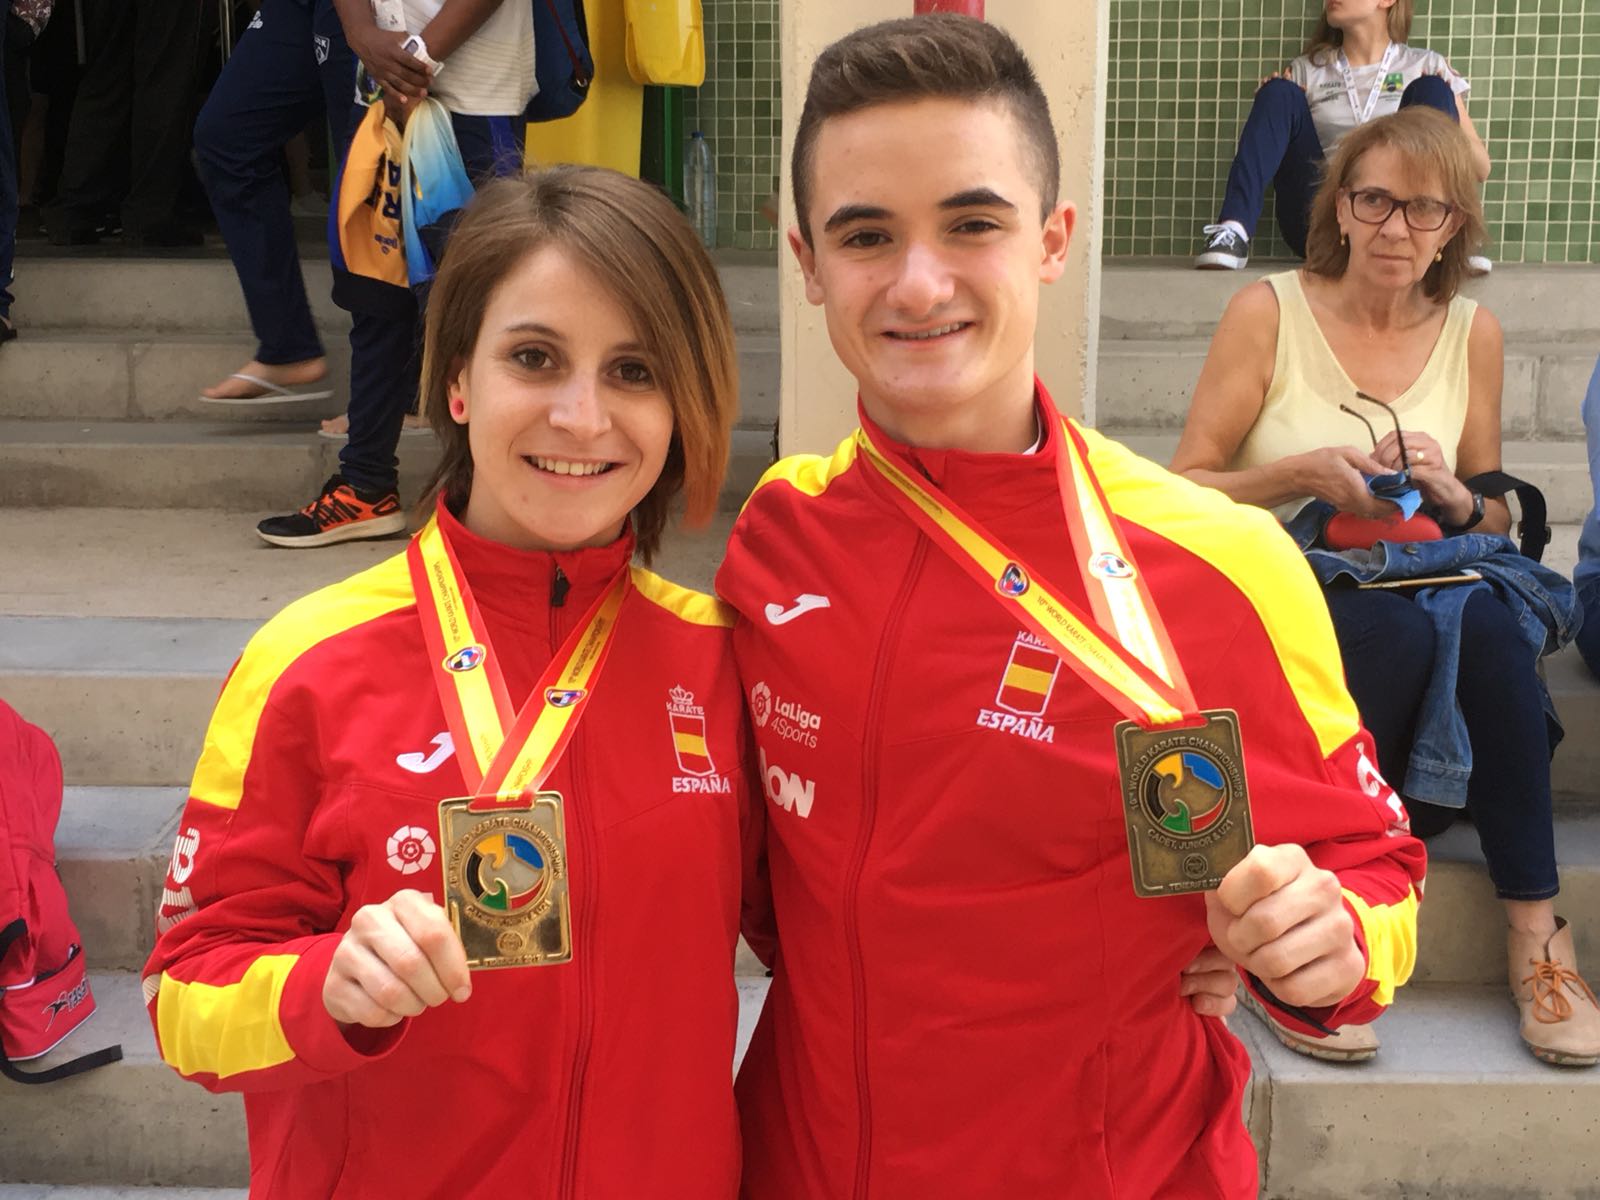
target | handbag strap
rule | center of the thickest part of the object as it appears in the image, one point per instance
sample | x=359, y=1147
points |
x=1533, y=529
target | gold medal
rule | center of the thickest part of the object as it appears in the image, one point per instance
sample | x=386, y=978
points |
x=505, y=861
x=1185, y=801
x=505, y=881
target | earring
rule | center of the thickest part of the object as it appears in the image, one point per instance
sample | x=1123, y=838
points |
x=1439, y=257
x=1344, y=238
x=458, y=408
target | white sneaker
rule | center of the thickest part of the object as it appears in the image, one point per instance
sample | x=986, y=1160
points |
x=1478, y=265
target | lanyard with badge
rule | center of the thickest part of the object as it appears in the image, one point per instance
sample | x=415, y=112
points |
x=504, y=846
x=1363, y=115
x=1182, y=769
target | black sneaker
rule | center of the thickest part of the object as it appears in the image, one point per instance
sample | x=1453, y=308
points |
x=339, y=514
x=1226, y=250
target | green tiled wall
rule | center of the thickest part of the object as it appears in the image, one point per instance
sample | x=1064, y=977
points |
x=1182, y=73
x=738, y=110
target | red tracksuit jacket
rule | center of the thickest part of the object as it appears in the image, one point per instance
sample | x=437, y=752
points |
x=969, y=999
x=317, y=792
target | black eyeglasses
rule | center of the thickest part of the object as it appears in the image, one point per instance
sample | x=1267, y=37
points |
x=1422, y=213
x=1405, y=466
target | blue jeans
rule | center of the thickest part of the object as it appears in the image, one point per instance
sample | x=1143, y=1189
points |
x=1280, y=145
x=8, y=184
x=291, y=65
x=1587, y=575
x=1387, y=643
x=385, y=350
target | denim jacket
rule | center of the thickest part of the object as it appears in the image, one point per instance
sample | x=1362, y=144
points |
x=1544, y=604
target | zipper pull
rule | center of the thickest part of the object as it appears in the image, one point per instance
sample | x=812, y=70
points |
x=559, y=587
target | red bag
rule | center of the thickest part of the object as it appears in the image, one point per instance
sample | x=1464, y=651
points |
x=1346, y=531
x=44, y=987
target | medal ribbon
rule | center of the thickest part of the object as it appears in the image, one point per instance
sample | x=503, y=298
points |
x=504, y=753
x=1135, y=669
x=1363, y=115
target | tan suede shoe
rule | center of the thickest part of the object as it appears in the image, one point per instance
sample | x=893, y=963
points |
x=1560, y=1017
x=1349, y=1044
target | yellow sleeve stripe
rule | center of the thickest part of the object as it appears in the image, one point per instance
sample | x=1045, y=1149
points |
x=810, y=473
x=225, y=757
x=695, y=607
x=1391, y=933
x=1246, y=545
x=225, y=1030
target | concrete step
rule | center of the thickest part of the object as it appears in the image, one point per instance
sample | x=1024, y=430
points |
x=131, y=1123
x=122, y=562
x=1411, y=1123
x=188, y=296
x=1461, y=925
x=1167, y=299
x=1150, y=382
x=264, y=468
x=112, y=375
x=136, y=1123
x=128, y=697
x=1559, y=469
x=1453, y=1108
x=143, y=375
x=112, y=847
x=46, y=1191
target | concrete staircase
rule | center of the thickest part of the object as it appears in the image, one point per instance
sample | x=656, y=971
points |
x=126, y=589
x=99, y=399
x=1453, y=1106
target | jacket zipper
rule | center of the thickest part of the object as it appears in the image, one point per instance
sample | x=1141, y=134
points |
x=869, y=814
x=583, y=934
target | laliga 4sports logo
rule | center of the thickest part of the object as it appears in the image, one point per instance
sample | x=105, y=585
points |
x=786, y=719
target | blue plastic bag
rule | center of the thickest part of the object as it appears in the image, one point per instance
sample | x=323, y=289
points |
x=434, y=187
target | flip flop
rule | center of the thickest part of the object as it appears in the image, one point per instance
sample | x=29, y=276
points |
x=271, y=393
x=405, y=431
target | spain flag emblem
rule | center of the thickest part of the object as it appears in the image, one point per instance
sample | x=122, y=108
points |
x=689, y=733
x=1029, y=678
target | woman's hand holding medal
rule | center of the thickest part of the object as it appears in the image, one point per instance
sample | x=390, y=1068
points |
x=1283, y=919
x=396, y=960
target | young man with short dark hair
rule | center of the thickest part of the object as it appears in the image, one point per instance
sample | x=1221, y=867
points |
x=1021, y=698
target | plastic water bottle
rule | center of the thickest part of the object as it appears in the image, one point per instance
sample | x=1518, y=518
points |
x=700, y=187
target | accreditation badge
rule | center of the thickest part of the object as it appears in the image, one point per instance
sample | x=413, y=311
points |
x=1184, y=797
x=506, y=881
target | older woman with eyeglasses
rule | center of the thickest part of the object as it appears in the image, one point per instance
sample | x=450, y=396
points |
x=1371, y=331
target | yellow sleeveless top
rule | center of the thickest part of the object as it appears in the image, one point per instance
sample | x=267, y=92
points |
x=1301, y=411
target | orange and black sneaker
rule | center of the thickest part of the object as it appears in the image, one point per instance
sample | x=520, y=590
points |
x=340, y=514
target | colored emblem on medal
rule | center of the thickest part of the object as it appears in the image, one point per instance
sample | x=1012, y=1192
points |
x=1185, y=793
x=505, y=872
x=563, y=697
x=505, y=881
x=1108, y=565
x=466, y=659
x=1013, y=581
